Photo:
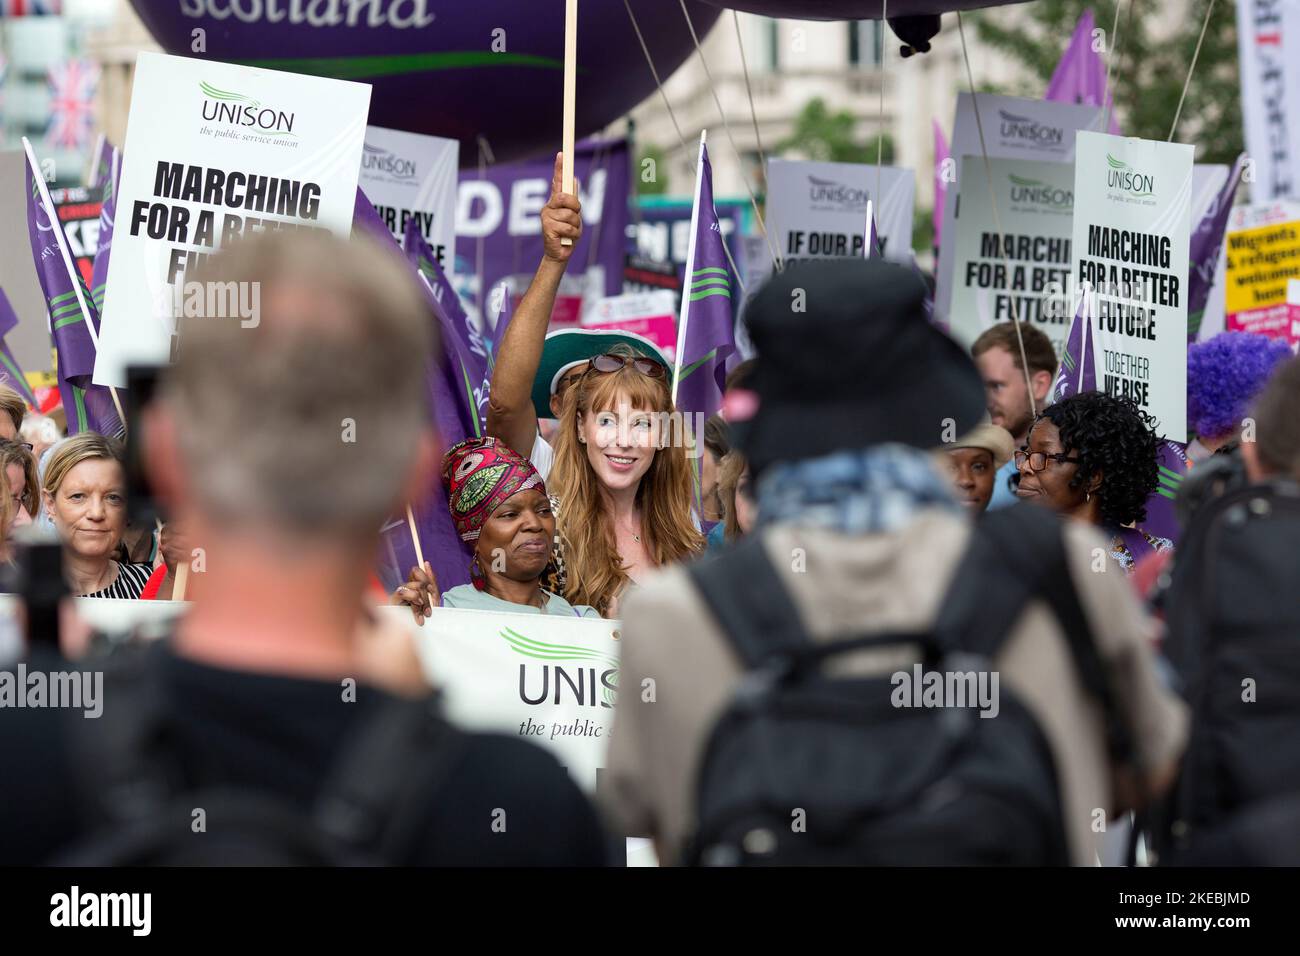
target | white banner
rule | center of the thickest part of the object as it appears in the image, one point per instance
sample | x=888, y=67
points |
x=1029, y=269
x=1268, y=43
x=547, y=679
x=1132, y=228
x=408, y=176
x=818, y=210
x=1014, y=128
x=213, y=152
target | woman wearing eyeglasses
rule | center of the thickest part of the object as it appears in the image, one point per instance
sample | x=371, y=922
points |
x=1093, y=457
x=21, y=484
x=620, y=475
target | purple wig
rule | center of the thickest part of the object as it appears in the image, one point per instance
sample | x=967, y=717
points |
x=1224, y=374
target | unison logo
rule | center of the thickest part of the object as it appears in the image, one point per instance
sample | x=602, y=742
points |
x=1038, y=193
x=827, y=191
x=235, y=109
x=1121, y=176
x=1022, y=127
x=383, y=161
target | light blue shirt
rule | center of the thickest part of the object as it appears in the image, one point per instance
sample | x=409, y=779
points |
x=1003, y=495
x=468, y=596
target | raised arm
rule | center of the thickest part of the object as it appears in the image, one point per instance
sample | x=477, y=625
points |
x=511, y=417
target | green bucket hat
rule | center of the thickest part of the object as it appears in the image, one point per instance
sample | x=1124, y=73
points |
x=565, y=348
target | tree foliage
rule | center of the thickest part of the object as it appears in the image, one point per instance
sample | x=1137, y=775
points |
x=822, y=135
x=1151, y=56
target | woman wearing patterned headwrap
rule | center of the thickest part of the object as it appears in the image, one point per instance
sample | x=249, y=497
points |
x=499, y=504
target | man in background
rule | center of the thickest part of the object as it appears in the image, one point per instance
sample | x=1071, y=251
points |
x=997, y=355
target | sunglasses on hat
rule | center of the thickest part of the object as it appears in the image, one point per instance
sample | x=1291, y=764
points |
x=608, y=362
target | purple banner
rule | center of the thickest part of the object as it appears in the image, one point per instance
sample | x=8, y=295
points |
x=443, y=549
x=503, y=212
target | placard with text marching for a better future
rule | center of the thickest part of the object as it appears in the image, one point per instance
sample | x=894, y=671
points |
x=1132, y=228
x=215, y=152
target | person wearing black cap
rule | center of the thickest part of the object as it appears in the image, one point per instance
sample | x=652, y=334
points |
x=848, y=401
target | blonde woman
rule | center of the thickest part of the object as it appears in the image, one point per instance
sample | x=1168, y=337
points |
x=622, y=479
x=84, y=494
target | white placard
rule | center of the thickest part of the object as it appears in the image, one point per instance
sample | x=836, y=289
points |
x=213, y=151
x=408, y=176
x=1029, y=269
x=1132, y=227
x=1268, y=42
x=543, y=678
x=1014, y=128
x=818, y=210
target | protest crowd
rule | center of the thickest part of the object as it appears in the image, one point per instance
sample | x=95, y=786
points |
x=868, y=590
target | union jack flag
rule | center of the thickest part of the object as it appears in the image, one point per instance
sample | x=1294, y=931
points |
x=30, y=8
x=72, y=103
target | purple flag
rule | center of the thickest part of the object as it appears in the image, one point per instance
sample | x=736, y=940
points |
x=10, y=373
x=107, y=212
x=705, y=331
x=1080, y=77
x=1077, y=372
x=463, y=346
x=102, y=164
x=74, y=321
x=443, y=549
x=1206, y=244
x=941, y=155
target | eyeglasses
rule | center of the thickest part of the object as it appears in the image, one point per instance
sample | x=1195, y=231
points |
x=609, y=362
x=1038, y=460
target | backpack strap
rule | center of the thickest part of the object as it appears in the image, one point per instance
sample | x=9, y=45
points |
x=1027, y=542
x=984, y=601
x=752, y=605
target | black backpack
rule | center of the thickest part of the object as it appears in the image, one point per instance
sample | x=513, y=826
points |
x=879, y=784
x=372, y=809
x=1233, y=613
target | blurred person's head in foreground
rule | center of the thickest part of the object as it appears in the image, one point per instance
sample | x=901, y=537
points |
x=973, y=461
x=1224, y=374
x=858, y=366
x=282, y=443
x=997, y=354
x=12, y=411
x=83, y=492
x=1275, y=450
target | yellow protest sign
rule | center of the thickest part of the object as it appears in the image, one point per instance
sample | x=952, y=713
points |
x=1259, y=263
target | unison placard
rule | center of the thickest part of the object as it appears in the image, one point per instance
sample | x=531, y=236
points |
x=213, y=152
x=818, y=210
x=1024, y=271
x=1132, y=229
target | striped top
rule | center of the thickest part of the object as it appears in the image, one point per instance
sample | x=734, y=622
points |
x=129, y=583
